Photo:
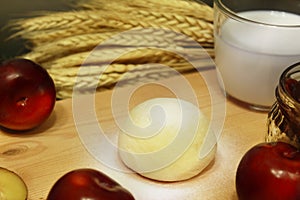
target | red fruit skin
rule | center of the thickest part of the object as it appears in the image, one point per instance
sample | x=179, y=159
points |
x=27, y=94
x=269, y=171
x=82, y=184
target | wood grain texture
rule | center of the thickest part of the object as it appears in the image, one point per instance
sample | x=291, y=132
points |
x=43, y=155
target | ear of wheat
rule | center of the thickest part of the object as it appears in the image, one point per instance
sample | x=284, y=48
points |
x=65, y=42
x=63, y=25
x=187, y=8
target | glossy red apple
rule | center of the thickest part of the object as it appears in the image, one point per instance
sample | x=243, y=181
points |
x=27, y=94
x=83, y=184
x=269, y=171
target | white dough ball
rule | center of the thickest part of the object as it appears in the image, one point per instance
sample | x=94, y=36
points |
x=162, y=140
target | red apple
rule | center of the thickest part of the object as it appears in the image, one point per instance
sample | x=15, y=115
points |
x=269, y=171
x=90, y=184
x=27, y=94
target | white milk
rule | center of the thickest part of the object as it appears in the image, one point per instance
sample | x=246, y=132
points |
x=251, y=57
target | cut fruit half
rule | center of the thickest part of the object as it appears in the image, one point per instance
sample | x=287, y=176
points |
x=12, y=186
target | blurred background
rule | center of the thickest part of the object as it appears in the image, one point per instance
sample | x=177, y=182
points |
x=13, y=9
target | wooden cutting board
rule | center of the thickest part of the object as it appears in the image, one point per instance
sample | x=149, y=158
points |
x=43, y=155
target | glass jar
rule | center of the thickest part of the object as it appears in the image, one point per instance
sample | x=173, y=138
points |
x=254, y=43
x=284, y=117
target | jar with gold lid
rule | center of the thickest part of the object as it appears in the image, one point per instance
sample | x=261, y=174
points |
x=284, y=117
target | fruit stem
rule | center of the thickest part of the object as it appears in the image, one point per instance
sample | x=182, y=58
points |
x=22, y=101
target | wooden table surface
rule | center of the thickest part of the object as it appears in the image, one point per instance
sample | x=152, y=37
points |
x=44, y=154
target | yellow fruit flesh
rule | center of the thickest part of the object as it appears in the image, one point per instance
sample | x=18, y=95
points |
x=12, y=187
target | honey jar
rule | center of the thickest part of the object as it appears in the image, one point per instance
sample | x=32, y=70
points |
x=284, y=117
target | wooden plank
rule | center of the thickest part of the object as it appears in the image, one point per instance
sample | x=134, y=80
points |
x=42, y=155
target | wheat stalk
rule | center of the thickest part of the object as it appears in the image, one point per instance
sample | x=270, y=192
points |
x=187, y=8
x=114, y=56
x=200, y=30
x=87, y=42
x=64, y=42
x=66, y=46
x=86, y=23
x=126, y=56
x=54, y=20
x=86, y=76
x=90, y=21
x=39, y=38
x=92, y=77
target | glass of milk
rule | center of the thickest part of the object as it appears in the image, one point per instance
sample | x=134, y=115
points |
x=255, y=41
